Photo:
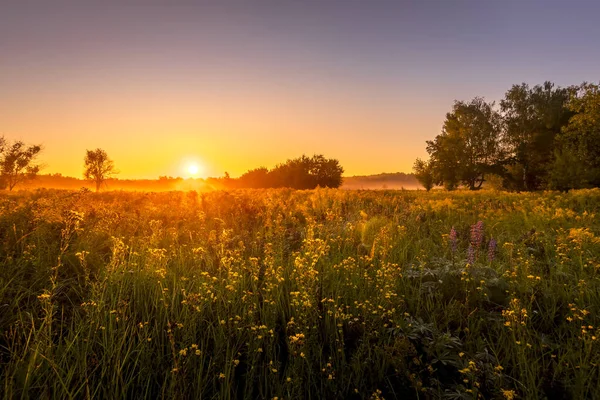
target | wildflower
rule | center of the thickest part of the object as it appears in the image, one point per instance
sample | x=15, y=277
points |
x=452, y=239
x=183, y=352
x=477, y=234
x=509, y=394
x=470, y=255
x=221, y=376
x=492, y=245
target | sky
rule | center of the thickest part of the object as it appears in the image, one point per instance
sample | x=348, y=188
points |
x=234, y=85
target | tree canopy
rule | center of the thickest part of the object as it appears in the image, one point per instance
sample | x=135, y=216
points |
x=540, y=137
x=468, y=146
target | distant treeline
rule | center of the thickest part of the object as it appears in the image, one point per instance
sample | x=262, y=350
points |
x=298, y=173
x=541, y=137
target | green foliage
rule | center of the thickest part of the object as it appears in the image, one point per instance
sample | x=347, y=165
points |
x=299, y=294
x=567, y=171
x=581, y=136
x=533, y=117
x=544, y=137
x=424, y=173
x=469, y=145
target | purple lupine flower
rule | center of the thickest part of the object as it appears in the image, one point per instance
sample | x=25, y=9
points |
x=471, y=255
x=492, y=249
x=452, y=238
x=477, y=234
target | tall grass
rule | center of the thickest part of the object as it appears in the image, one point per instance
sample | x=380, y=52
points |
x=299, y=294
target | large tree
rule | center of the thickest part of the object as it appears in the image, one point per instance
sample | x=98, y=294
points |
x=580, y=138
x=98, y=167
x=17, y=163
x=533, y=117
x=469, y=146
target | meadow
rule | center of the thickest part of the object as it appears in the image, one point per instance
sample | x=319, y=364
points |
x=300, y=294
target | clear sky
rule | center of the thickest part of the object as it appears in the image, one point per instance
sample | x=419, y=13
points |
x=233, y=85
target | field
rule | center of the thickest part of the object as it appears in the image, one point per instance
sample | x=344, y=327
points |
x=300, y=294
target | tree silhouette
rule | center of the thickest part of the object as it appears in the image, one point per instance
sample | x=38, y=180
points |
x=16, y=163
x=98, y=167
x=299, y=173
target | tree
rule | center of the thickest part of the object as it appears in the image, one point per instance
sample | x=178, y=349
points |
x=17, y=163
x=326, y=172
x=257, y=178
x=581, y=136
x=469, y=146
x=567, y=171
x=533, y=117
x=444, y=152
x=423, y=172
x=98, y=167
x=299, y=173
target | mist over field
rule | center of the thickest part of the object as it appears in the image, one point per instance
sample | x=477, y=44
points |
x=395, y=181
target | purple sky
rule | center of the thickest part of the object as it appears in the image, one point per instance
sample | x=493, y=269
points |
x=242, y=84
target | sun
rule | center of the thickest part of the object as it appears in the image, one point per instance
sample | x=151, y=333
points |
x=193, y=169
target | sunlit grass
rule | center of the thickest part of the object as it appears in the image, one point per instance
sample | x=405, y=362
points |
x=299, y=294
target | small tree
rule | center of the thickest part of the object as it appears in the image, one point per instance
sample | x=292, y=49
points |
x=17, y=163
x=98, y=167
x=424, y=173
